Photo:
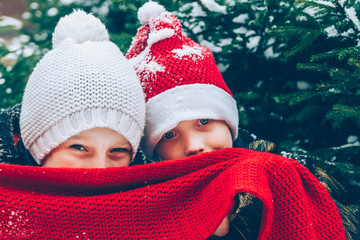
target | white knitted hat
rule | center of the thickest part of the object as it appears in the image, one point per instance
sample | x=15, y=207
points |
x=83, y=82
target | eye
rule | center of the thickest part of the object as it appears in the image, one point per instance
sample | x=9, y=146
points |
x=78, y=147
x=120, y=150
x=168, y=135
x=204, y=121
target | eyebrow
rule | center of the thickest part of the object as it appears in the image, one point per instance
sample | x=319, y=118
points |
x=77, y=137
x=123, y=143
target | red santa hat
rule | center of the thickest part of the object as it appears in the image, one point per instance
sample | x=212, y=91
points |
x=179, y=77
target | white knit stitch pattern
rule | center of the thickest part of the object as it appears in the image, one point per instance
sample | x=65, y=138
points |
x=76, y=87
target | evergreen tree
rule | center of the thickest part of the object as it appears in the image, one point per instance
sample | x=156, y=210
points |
x=329, y=112
x=14, y=67
x=264, y=48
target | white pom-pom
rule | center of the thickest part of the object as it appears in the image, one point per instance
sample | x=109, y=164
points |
x=148, y=10
x=81, y=27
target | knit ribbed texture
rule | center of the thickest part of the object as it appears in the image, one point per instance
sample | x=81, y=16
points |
x=78, y=86
x=166, y=60
x=180, y=199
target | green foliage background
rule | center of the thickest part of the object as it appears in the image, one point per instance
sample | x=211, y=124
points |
x=293, y=66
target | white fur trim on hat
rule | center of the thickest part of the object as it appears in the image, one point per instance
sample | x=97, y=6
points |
x=187, y=102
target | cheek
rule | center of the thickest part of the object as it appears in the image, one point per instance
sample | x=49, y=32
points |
x=221, y=138
x=118, y=161
x=124, y=163
x=168, y=151
x=60, y=159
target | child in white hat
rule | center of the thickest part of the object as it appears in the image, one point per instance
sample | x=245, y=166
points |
x=83, y=106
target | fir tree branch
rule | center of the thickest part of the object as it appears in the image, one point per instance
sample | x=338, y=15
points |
x=312, y=67
x=304, y=36
x=261, y=34
x=296, y=98
x=345, y=3
x=3, y=51
x=337, y=74
x=353, y=112
x=341, y=10
x=340, y=113
x=202, y=5
x=264, y=26
x=356, y=144
x=354, y=62
x=340, y=54
x=314, y=4
x=307, y=40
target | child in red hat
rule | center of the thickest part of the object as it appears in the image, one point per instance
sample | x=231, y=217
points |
x=181, y=83
x=190, y=109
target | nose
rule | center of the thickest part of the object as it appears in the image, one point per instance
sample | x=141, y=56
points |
x=194, y=145
x=99, y=161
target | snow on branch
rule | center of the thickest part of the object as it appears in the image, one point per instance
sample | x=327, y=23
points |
x=213, y=6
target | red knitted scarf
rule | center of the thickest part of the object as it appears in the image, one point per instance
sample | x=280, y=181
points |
x=178, y=199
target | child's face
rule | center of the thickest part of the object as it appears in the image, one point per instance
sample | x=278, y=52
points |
x=94, y=148
x=193, y=137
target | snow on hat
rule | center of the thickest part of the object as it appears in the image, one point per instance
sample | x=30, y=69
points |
x=179, y=77
x=82, y=83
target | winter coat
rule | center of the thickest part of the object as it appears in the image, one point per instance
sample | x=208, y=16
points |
x=12, y=149
x=248, y=209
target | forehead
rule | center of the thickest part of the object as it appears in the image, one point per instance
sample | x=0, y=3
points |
x=183, y=125
x=100, y=134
